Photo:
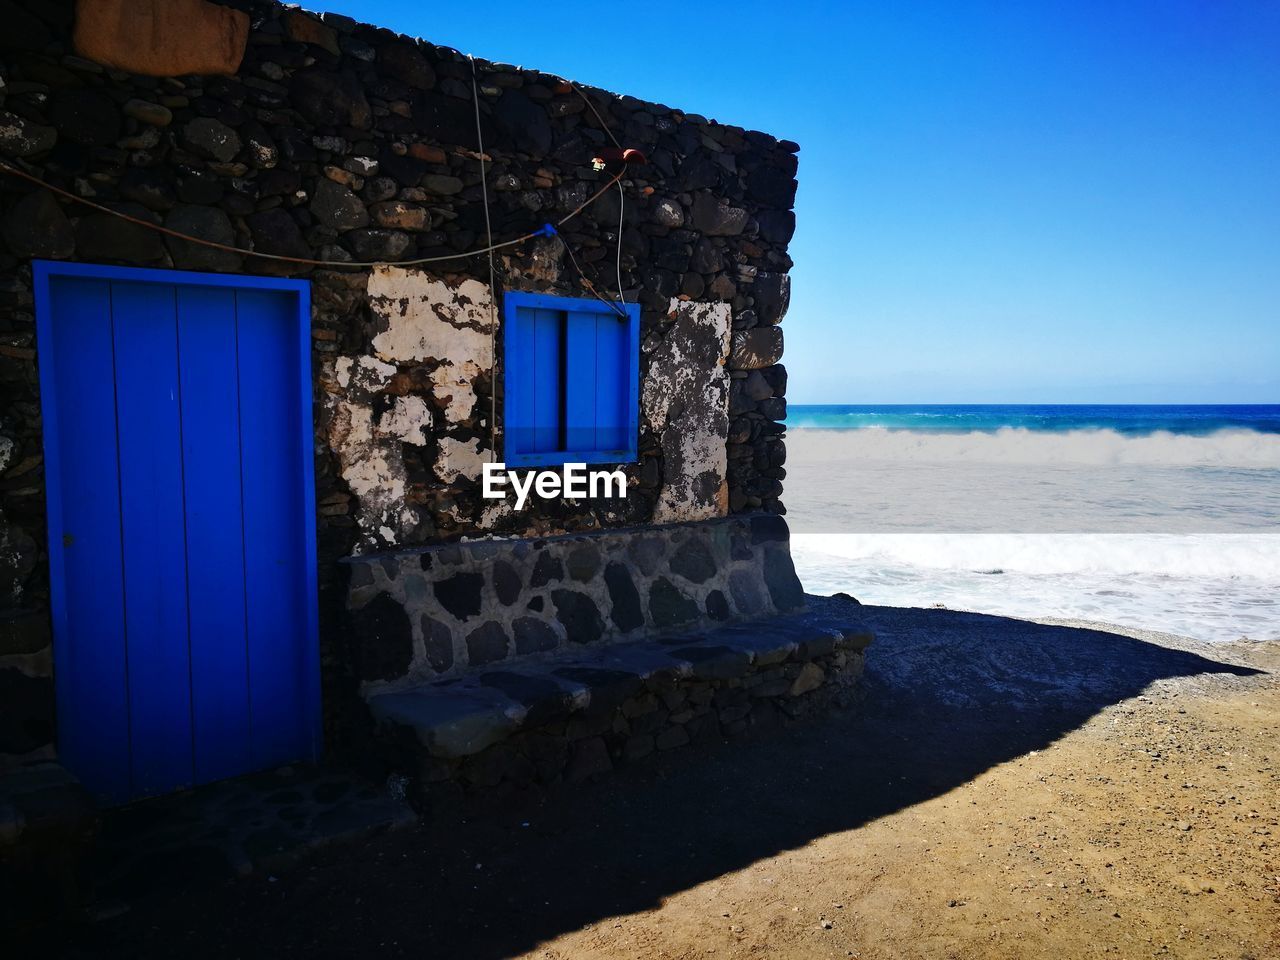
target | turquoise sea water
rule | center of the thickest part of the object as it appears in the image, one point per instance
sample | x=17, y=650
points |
x=1131, y=420
x=1165, y=517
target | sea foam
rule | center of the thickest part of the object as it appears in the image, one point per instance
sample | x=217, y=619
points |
x=1169, y=531
x=1212, y=587
x=1223, y=448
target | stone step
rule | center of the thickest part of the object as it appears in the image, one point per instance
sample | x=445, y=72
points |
x=259, y=822
x=536, y=719
x=47, y=828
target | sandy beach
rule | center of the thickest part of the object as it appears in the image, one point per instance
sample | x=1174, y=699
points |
x=1002, y=788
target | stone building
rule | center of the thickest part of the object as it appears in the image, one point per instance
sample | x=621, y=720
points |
x=252, y=366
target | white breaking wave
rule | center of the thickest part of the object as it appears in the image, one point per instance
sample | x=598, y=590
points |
x=1213, y=587
x=1220, y=556
x=1018, y=445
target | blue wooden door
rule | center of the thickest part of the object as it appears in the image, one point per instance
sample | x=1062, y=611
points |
x=181, y=540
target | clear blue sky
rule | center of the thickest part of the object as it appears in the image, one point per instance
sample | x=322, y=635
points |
x=999, y=201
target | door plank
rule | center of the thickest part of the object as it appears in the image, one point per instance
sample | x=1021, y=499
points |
x=274, y=539
x=215, y=543
x=152, y=519
x=78, y=381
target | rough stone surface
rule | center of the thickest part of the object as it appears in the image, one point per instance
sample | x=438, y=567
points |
x=780, y=577
x=48, y=825
x=305, y=28
x=207, y=223
x=486, y=643
x=628, y=585
x=384, y=641
x=460, y=594
x=693, y=560
x=669, y=606
x=578, y=713
x=144, y=111
x=579, y=616
x=20, y=137
x=717, y=219
x=100, y=236
x=37, y=227
x=627, y=614
x=336, y=207
x=211, y=138
x=688, y=408
x=437, y=644
x=87, y=117
x=402, y=62
x=506, y=582
x=275, y=232
x=757, y=348
x=162, y=38
x=331, y=99
x=772, y=293
x=534, y=635
x=262, y=113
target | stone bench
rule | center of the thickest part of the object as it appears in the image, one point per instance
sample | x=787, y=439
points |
x=447, y=610
x=576, y=713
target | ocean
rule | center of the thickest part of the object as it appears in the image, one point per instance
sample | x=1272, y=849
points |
x=1162, y=517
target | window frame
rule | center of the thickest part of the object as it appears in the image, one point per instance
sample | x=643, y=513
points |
x=512, y=302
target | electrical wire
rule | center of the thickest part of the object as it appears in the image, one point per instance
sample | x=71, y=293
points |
x=592, y=107
x=622, y=199
x=305, y=261
x=493, y=285
x=490, y=249
x=589, y=283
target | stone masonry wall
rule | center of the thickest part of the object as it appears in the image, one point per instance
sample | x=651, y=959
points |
x=341, y=141
x=438, y=610
x=657, y=716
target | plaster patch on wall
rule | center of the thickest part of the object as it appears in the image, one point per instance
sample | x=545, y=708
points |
x=495, y=513
x=373, y=469
x=363, y=374
x=460, y=459
x=455, y=385
x=18, y=554
x=685, y=399
x=408, y=420
x=427, y=319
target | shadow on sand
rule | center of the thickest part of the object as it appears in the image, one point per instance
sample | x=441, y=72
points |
x=948, y=695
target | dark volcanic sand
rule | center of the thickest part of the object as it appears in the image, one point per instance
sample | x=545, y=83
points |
x=1006, y=789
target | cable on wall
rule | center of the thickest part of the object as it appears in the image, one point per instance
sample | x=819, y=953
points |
x=592, y=107
x=493, y=284
x=8, y=168
x=589, y=283
x=622, y=203
x=626, y=157
x=622, y=155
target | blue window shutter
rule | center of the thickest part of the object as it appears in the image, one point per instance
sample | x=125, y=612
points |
x=571, y=381
x=615, y=396
x=533, y=382
x=545, y=366
x=599, y=381
x=580, y=384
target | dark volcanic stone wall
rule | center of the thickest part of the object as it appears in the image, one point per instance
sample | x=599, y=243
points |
x=440, y=610
x=345, y=142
